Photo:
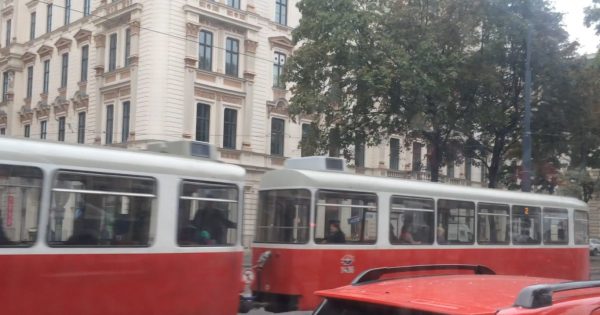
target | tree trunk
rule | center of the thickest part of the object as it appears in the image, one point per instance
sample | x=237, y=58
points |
x=494, y=169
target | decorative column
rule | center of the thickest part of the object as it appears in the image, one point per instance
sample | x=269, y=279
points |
x=100, y=43
x=250, y=47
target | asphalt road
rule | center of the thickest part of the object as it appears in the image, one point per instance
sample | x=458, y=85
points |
x=594, y=275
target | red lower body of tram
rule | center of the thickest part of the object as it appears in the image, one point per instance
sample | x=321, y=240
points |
x=132, y=284
x=291, y=276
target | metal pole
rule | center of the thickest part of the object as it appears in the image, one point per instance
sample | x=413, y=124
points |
x=526, y=174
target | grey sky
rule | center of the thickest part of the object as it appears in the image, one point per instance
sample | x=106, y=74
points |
x=573, y=22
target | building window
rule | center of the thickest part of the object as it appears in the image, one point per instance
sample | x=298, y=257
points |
x=125, y=131
x=49, y=18
x=234, y=3
x=64, y=70
x=202, y=122
x=46, y=76
x=359, y=154
x=81, y=128
x=8, y=33
x=229, y=128
x=2, y=131
x=278, y=70
x=205, y=51
x=112, y=53
x=29, y=81
x=84, y=62
x=43, y=129
x=306, y=129
x=450, y=169
x=109, y=124
x=277, y=136
x=87, y=7
x=468, y=162
x=232, y=57
x=483, y=173
x=281, y=12
x=127, y=46
x=61, y=128
x=67, y=11
x=416, y=156
x=5, y=86
x=394, y=154
x=27, y=131
x=32, y=26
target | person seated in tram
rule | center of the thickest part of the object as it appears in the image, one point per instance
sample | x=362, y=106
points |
x=211, y=220
x=406, y=231
x=335, y=233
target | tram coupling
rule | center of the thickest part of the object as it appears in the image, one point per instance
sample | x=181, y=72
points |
x=248, y=300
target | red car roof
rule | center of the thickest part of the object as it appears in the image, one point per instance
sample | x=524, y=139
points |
x=446, y=294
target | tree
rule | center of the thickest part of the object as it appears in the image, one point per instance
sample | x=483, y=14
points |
x=592, y=16
x=495, y=84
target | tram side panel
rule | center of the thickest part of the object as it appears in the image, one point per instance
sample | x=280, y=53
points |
x=300, y=272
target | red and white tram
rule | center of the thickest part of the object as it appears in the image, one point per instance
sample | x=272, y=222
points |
x=91, y=230
x=318, y=227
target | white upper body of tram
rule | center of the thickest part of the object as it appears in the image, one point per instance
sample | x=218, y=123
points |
x=58, y=198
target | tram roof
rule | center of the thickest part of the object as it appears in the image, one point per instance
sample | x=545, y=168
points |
x=294, y=178
x=118, y=159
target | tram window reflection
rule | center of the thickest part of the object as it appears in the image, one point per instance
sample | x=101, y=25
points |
x=411, y=221
x=354, y=214
x=493, y=224
x=581, y=227
x=208, y=214
x=20, y=193
x=457, y=222
x=283, y=216
x=556, y=226
x=526, y=225
x=105, y=210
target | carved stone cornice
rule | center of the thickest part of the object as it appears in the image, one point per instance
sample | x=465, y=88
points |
x=80, y=101
x=63, y=43
x=192, y=29
x=281, y=42
x=100, y=40
x=82, y=35
x=44, y=51
x=278, y=107
x=25, y=114
x=28, y=57
x=250, y=46
x=42, y=109
x=60, y=105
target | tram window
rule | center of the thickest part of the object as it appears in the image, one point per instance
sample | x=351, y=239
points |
x=411, y=220
x=457, y=222
x=20, y=193
x=283, y=216
x=581, y=227
x=493, y=224
x=526, y=225
x=208, y=214
x=102, y=210
x=346, y=217
x=556, y=226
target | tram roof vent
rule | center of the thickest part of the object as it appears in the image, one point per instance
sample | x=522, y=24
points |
x=185, y=148
x=316, y=163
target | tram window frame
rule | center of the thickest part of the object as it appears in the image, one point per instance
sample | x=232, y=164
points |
x=459, y=204
x=202, y=238
x=143, y=194
x=32, y=231
x=395, y=233
x=548, y=233
x=530, y=241
x=496, y=207
x=577, y=228
x=328, y=222
x=301, y=220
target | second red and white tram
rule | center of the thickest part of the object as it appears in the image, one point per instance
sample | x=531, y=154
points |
x=91, y=230
x=318, y=227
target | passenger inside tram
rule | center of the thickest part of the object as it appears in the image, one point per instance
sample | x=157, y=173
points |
x=406, y=235
x=335, y=233
x=212, y=223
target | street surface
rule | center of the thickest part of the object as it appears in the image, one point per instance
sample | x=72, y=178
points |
x=594, y=275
